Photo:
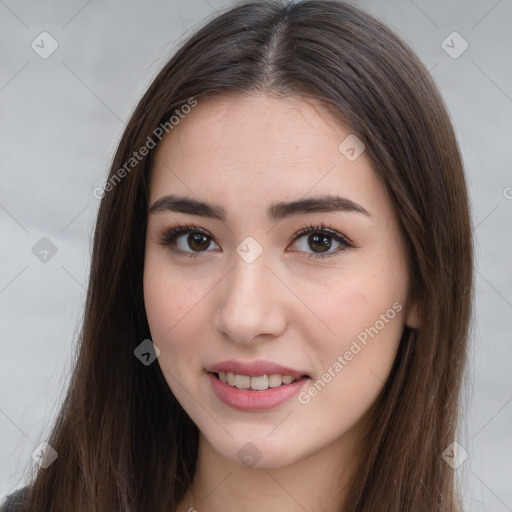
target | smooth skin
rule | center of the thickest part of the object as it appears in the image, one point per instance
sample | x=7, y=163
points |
x=243, y=153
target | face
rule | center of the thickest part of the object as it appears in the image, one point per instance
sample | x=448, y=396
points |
x=267, y=282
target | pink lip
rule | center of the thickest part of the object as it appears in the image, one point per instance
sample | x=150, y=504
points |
x=245, y=400
x=254, y=369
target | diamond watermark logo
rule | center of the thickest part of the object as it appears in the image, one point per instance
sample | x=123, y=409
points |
x=455, y=455
x=147, y=352
x=249, y=455
x=249, y=250
x=44, y=45
x=454, y=45
x=44, y=250
x=44, y=455
x=351, y=147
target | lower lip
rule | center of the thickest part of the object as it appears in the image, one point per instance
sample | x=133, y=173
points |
x=246, y=400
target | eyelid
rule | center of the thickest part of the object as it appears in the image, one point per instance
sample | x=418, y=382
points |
x=179, y=229
x=171, y=234
x=322, y=228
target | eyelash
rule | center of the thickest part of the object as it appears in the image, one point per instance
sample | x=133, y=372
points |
x=169, y=237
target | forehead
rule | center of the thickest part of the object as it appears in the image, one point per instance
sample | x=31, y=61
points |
x=256, y=146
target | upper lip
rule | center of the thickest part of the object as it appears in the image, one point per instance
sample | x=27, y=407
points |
x=254, y=368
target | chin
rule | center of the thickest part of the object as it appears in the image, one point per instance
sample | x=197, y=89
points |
x=257, y=452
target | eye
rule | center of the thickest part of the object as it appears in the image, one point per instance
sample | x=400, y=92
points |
x=192, y=240
x=320, y=239
x=182, y=238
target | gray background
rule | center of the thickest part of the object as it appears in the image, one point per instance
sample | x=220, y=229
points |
x=61, y=118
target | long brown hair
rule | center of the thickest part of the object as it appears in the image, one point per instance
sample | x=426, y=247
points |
x=123, y=441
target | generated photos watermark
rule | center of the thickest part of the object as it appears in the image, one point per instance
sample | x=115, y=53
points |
x=343, y=360
x=137, y=156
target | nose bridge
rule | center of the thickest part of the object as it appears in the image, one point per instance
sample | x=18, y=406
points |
x=249, y=304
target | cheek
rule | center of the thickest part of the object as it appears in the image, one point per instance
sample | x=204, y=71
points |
x=358, y=300
x=365, y=314
x=355, y=362
x=174, y=317
x=173, y=307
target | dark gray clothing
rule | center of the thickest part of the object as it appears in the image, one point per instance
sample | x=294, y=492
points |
x=14, y=502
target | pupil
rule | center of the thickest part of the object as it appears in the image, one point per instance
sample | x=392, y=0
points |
x=322, y=240
x=198, y=238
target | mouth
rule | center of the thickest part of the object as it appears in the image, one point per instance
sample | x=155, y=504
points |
x=257, y=385
x=258, y=382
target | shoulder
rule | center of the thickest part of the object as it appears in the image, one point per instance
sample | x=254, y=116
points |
x=14, y=502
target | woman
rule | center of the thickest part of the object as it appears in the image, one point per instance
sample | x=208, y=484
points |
x=280, y=286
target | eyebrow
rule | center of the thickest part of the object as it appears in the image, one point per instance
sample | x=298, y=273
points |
x=276, y=211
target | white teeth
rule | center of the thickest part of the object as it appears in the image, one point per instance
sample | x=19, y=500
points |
x=274, y=381
x=259, y=383
x=243, y=381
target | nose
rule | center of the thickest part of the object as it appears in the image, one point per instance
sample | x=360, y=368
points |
x=250, y=303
